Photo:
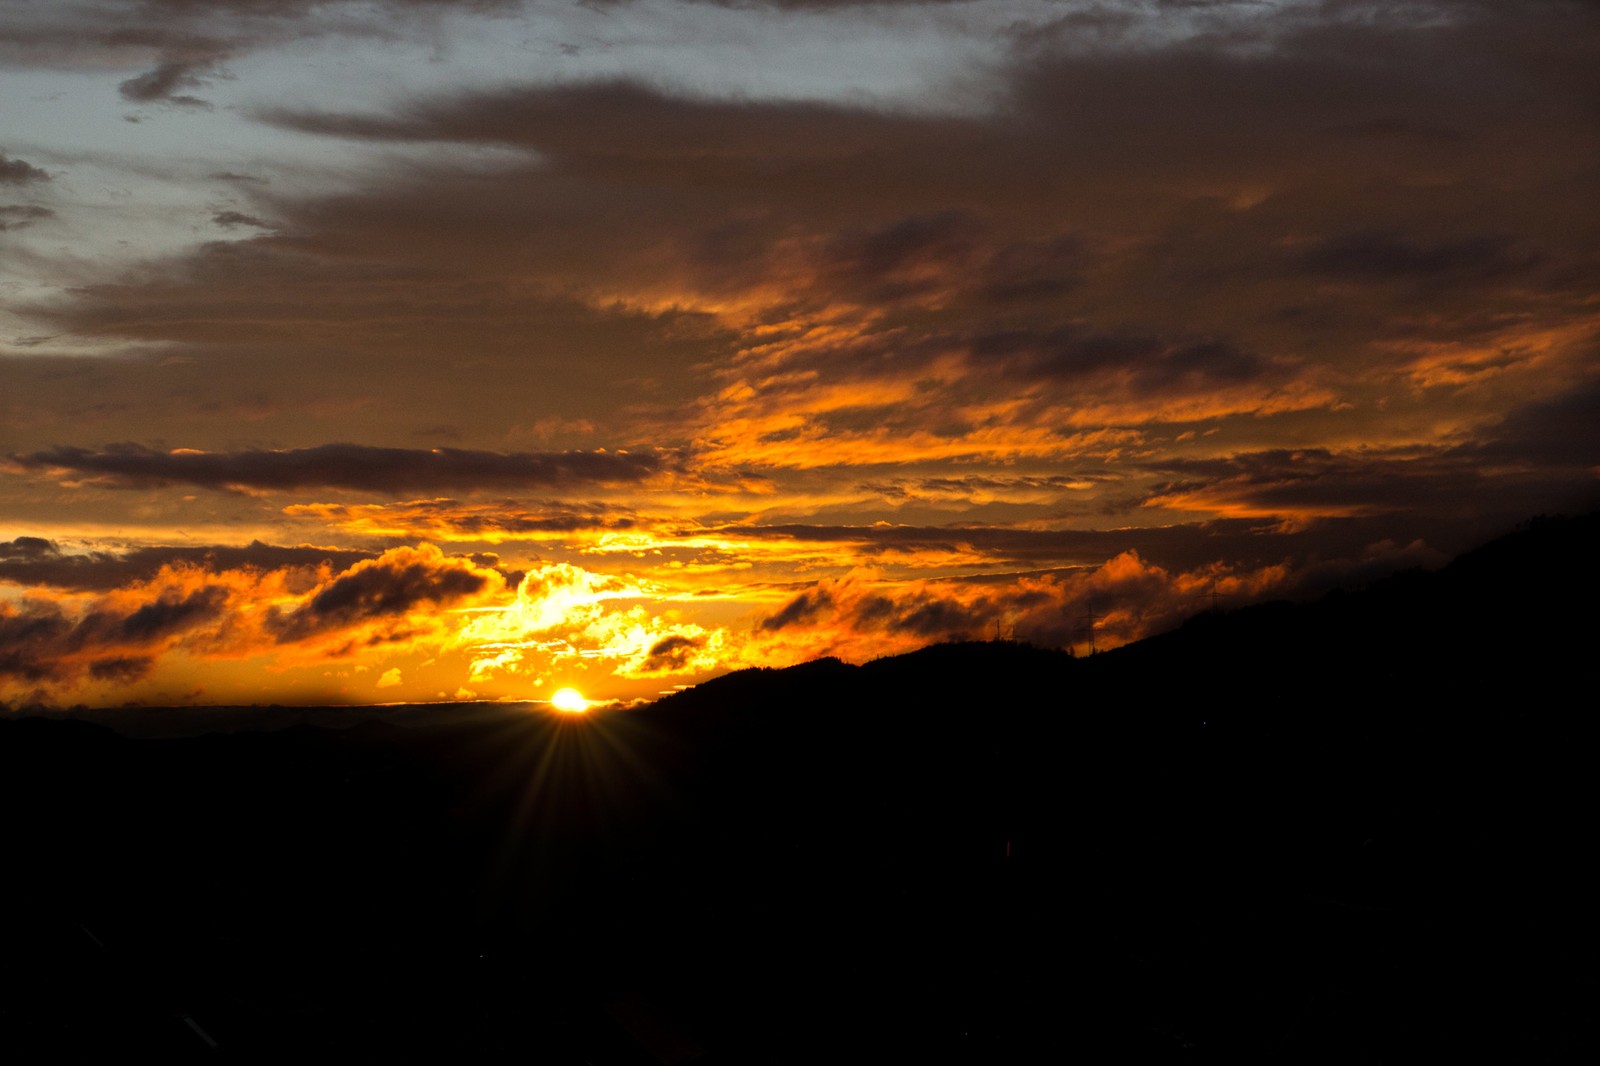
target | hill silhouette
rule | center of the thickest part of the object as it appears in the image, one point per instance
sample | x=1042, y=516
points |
x=1345, y=831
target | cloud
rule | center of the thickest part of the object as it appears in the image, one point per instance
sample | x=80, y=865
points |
x=1148, y=366
x=275, y=606
x=1183, y=545
x=980, y=488
x=170, y=614
x=1386, y=256
x=348, y=466
x=232, y=219
x=186, y=36
x=1541, y=456
x=805, y=607
x=1309, y=483
x=1135, y=236
x=388, y=589
x=489, y=520
x=162, y=84
x=16, y=216
x=673, y=654
x=28, y=548
x=1122, y=600
x=39, y=642
x=19, y=172
x=1249, y=293
x=36, y=561
x=1556, y=434
x=945, y=258
x=570, y=616
x=818, y=5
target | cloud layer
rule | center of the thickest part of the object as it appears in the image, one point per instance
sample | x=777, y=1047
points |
x=691, y=354
x=347, y=466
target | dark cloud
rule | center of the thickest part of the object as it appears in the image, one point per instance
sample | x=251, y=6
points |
x=1358, y=506
x=16, y=216
x=28, y=549
x=1538, y=459
x=1387, y=256
x=169, y=614
x=211, y=606
x=1558, y=434
x=1121, y=600
x=671, y=654
x=1185, y=545
x=1314, y=482
x=350, y=466
x=124, y=669
x=597, y=127
x=295, y=8
x=385, y=589
x=1131, y=224
x=1378, y=561
x=802, y=609
x=28, y=639
x=362, y=330
x=163, y=84
x=35, y=561
x=816, y=5
x=39, y=642
x=1150, y=365
x=1124, y=598
x=19, y=172
x=1137, y=251
x=931, y=618
x=230, y=219
x=188, y=39
x=948, y=258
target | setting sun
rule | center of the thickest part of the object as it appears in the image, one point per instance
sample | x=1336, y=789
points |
x=569, y=700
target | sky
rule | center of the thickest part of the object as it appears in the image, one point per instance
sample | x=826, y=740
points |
x=414, y=350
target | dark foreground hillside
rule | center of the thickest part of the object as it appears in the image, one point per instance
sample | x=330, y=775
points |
x=1350, y=832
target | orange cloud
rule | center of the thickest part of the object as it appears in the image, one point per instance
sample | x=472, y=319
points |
x=292, y=616
x=391, y=598
x=416, y=623
x=837, y=392
x=1120, y=601
x=491, y=521
x=563, y=613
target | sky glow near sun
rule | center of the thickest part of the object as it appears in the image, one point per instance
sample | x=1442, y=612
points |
x=416, y=349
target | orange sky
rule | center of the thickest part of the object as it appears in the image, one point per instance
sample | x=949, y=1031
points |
x=424, y=350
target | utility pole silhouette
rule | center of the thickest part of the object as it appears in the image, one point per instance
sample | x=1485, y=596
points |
x=1216, y=597
x=1089, y=621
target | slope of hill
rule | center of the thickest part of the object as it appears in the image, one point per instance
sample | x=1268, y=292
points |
x=1347, y=831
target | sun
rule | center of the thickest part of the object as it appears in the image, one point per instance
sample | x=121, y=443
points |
x=569, y=700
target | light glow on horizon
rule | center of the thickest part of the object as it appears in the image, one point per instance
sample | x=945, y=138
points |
x=569, y=701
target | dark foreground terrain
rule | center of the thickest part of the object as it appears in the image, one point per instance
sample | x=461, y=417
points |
x=1356, y=831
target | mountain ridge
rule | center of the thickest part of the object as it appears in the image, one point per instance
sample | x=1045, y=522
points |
x=1281, y=833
